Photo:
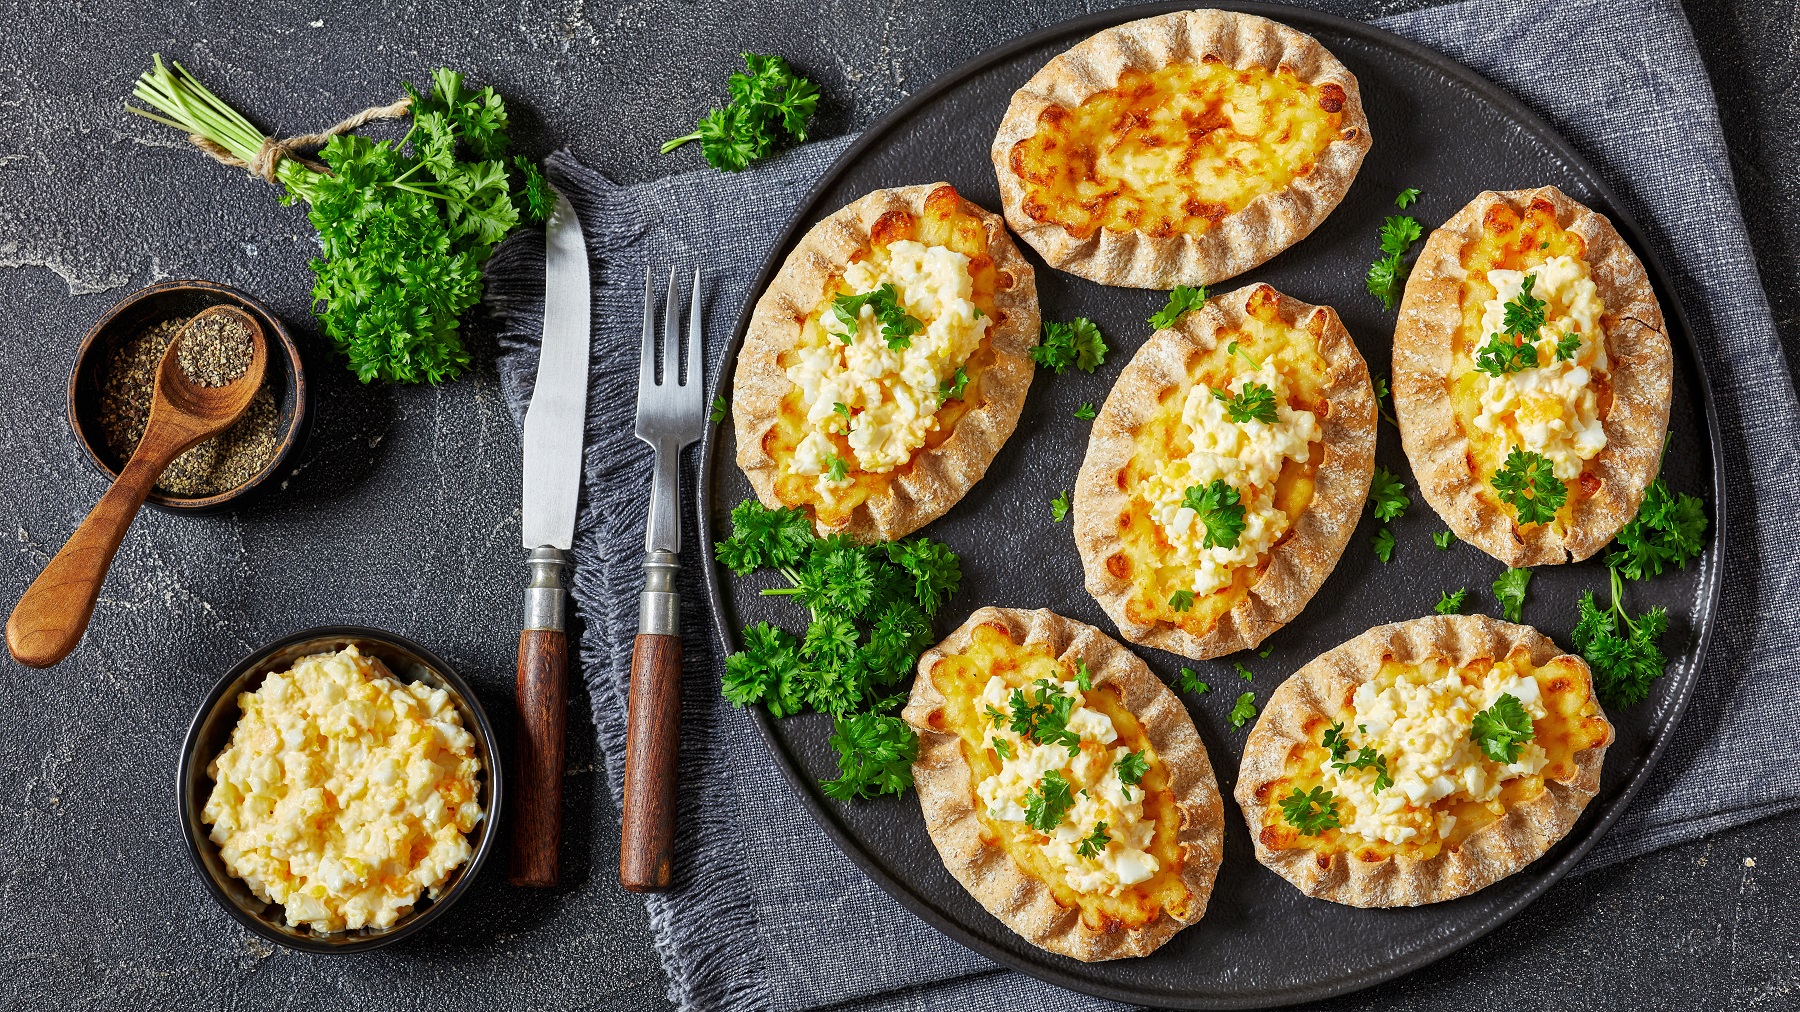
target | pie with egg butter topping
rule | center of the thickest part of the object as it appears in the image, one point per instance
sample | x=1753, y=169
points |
x=887, y=363
x=1422, y=761
x=1064, y=784
x=1531, y=361
x=1180, y=149
x=1225, y=473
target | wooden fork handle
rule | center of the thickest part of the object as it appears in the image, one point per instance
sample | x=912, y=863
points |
x=48, y=621
x=653, y=717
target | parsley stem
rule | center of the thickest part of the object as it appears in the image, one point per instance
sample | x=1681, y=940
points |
x=671, y=145
x=781, y=591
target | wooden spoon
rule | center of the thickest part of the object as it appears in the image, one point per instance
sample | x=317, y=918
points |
x=50, y=618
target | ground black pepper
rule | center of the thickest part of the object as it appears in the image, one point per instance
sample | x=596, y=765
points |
x=215, y=349
x=217, y=465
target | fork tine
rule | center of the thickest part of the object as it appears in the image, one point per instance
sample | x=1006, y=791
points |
x=647, y=353
x=671, y=371
x=696, y=370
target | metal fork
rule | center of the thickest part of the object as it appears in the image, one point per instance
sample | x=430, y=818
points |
x=670, y=415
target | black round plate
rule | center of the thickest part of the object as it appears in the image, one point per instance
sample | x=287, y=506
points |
x=1437, y=126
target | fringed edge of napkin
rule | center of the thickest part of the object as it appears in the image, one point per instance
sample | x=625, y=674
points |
x=705, y=929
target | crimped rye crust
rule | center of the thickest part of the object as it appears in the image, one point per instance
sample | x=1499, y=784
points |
x=1490, y=854
x=1269, y=224
x=1299, y=564
x=1024, y=903
x=936, y=477
x=1641, y=372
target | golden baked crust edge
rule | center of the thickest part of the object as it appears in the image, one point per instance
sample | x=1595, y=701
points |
x=1524, y=834
x=940, y=476
x=1299, y=565
x=1642, y=374
x=1024, y=903
x=1270, y=223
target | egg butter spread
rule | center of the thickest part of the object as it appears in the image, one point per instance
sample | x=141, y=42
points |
x=344, y=793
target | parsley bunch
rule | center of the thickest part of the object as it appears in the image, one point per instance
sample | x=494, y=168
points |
x=404, y=231
x=1622, y=651
x=1078, y=343
x=1387, y=276
x=871, y=608
x=769, y=105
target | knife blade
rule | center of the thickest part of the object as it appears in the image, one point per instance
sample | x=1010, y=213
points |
x=554, y=426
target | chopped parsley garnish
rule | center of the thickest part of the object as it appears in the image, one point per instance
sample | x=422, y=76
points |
x=1084, y=678
x=1220, y=512
x=1312, y=812
x=1189, y=681
x=1043, y=716
x=1366, y=757
x=897, y=325
x=1383, y=544
x=1085, y=412
x=1622, y=651
x=953, y=390
x=1234, y=349
x=839, y=407
x=1381, y=396
x=720, y=409
x=1500, y=729
x=1002, y=748
x=836, y=469
x=1131, y=768
x=1528, y=484
x=1387, y=276
x=1181, y=600
x=1667, y=529
x=1059, y=507
x=1256, y=403
x=1077, y=343
x=768, y=106
x=870, y=609
x=1048, y=802
x=1509, y=590
x=1502, y=355
x=1266, y=651
x=1523, y=317
x=1182, y=300
x=1567, y=345
x=1388, y=495
x=1407, y=197
x=1443, y=539
x=1094, y=844
x=1452, y=604
x=875, y=756
x=1243, y=672
x=1244, y=710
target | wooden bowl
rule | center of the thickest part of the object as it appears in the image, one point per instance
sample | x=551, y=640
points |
x=211, y=731
x=286, y=380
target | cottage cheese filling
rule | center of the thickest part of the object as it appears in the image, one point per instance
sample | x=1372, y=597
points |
x=1554, y=408
x=1093, y=776
x=885, y=399
x=1419, y=719
x=1246, y=455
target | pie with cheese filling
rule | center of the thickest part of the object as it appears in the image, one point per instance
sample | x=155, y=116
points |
x=1530, y=342
x=1064, y=784
x=1422, y=761
x=887, y=363
x=1180, y=149
x=1225, y=473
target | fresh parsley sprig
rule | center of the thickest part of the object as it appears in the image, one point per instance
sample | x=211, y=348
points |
x=769, y=105
x=1621, y=650
x=897, y=325
x=1040, y=712
x=1387, y=275
x=1311, y=812
x=1094, y=844
x=1509, y=590
x=1181, y=300
x=1528, y=483
x=1189, y=681
x=1244, y=710
x=1220, y=510
x=1255, y=403
x=1387, y=494
x=1059, y=507
x=1366, y=757
x=875, y=756
x=1500, y=729
x=1383, y=545
x=1667, y=530
x=1078, y=343
x=1451, y=604
x=1048, y=802
x=1131, y=768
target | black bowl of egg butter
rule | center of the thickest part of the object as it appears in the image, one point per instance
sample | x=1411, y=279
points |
x=113, y=377
x=211, y=732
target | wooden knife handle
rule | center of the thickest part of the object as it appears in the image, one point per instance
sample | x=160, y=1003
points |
x=653, y=715
x=49, y=619
x=536, y=800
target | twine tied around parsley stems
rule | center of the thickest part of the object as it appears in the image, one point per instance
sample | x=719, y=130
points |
x=181, y=101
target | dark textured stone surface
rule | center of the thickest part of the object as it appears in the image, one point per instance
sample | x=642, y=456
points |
x=404, y=512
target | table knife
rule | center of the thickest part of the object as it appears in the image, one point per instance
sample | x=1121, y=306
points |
x=554, y=425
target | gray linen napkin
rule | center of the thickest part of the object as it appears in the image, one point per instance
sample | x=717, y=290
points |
x=768, y=914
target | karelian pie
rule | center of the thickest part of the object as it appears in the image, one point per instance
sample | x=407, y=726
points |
x=1394, y=770
x=1086, y=819
x=887, y=363
x=1225, y=473
x=1180, y=149
x=1516, y=278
